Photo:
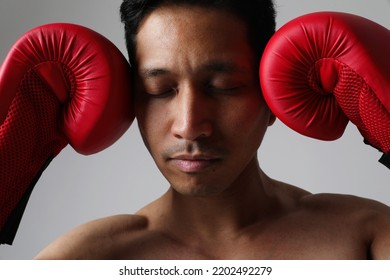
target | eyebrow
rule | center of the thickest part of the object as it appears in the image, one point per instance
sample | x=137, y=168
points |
x=154, y=72
x=212, y=66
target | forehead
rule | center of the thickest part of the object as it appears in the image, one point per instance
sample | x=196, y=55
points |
x=191, y=33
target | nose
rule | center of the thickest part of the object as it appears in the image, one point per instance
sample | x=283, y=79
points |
x=192, y=115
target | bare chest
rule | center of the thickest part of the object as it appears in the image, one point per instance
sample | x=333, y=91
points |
x=298, y=242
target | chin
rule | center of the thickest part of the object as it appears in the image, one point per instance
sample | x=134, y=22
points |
x=197, y=189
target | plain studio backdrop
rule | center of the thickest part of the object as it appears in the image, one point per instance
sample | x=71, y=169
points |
x=75, y=188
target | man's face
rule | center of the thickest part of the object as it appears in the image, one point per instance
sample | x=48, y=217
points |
x=198, y=102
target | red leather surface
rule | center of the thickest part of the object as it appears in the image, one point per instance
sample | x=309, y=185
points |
x=59, y=84
x=323, y=69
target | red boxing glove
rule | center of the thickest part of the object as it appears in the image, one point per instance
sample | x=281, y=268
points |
x=323, y=69
x=59, y=84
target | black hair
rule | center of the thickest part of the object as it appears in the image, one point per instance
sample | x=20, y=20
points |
x=258, y=15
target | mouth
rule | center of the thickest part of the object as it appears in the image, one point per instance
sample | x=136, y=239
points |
x=194, y=163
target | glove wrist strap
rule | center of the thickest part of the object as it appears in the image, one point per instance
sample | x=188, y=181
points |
x=385, y=160
x=8, y=232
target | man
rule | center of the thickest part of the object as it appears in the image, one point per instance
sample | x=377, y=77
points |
x=202, y=117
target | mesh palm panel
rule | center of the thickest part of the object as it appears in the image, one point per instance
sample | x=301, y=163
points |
x=363, y=108
x=28, y=138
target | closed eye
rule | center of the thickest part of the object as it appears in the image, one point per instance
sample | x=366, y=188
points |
x=224, y=89
x=161, y=93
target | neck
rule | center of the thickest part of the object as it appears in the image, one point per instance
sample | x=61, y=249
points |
x=247, y=201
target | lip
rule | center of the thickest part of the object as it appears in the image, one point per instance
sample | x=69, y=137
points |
x=194, y=163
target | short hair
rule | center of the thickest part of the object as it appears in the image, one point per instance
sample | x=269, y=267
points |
x=258, y=16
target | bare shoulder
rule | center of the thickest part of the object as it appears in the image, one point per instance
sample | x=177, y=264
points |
x=366, y=216
x=345, y=203
x=95, y=239
x=336, y=207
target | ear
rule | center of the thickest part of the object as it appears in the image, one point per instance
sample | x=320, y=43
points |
x=272, y=118
x=271, y=115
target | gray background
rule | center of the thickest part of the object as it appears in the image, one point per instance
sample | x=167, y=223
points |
x=123, y=178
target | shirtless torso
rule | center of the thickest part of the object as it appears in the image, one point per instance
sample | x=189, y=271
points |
x=201, y=115
x=322, y=226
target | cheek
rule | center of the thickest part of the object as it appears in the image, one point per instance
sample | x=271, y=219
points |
x=151, y=122
x=248, y=119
